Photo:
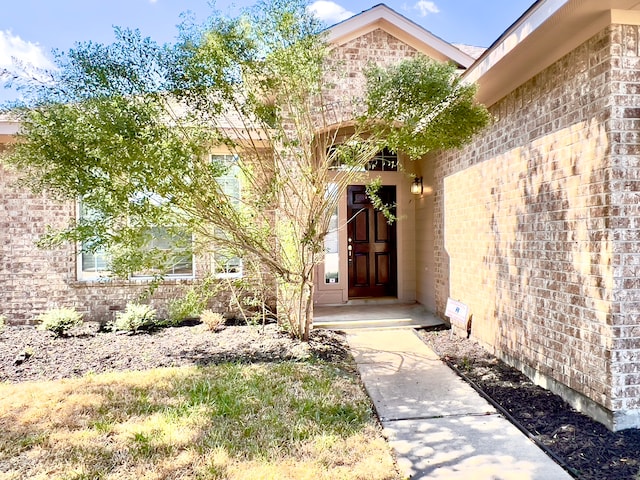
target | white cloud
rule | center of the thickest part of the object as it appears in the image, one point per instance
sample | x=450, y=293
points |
x=329, y=11
x=425, y=7
x=28, y=53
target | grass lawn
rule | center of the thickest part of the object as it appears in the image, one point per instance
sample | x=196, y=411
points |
x=287, y=420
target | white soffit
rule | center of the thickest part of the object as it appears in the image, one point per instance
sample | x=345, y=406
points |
x=520, y=30
x=545, y=33
x=400, y=27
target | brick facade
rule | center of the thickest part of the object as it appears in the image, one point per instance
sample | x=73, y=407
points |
x=33, y=280
x=537, y=228
x=347, y=63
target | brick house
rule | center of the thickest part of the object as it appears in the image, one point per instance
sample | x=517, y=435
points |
x=534, y=225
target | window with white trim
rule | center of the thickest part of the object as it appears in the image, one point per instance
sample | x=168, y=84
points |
x=93, y=263
x=226, y=263
x=383, y=161
x=332, y=244
x=179, y=260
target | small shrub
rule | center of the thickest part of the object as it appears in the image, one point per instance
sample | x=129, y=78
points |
x=190, y=306
x=135, y=317
x=59, y=320
x=3, y=323
x=213, y=320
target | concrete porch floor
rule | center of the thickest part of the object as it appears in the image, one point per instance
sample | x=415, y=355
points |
x=374, y=315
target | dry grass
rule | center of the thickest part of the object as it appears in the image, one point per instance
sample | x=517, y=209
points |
x=265, y=421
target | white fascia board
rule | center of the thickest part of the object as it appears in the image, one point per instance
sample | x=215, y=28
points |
x=382, y=12
x=9, y=128
x=524, y=26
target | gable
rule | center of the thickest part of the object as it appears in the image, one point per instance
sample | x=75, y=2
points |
x=346, y=66
x=382, y=18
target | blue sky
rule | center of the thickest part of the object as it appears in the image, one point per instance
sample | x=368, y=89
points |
x=30, y=29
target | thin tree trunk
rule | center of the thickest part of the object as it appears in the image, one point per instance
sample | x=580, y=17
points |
x=295, y=307
x=308, y=312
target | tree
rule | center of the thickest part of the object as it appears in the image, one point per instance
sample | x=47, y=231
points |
x=128, y=128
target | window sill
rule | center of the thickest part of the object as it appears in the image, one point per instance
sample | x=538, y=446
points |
x=226, y=276
x=134, y=281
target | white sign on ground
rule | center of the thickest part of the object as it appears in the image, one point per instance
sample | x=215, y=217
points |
x=457, y=312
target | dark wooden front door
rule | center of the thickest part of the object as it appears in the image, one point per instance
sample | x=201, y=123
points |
x=371, y=244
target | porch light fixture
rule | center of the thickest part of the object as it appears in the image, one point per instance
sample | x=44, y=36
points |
x=416, y=186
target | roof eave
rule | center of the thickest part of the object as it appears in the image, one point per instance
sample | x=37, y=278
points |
x=9, y=127
x=546, y=32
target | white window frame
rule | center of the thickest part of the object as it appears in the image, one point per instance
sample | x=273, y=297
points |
x=105, y=275
x=191, y=275
x=332, y=244
x=230, y=160
x=81, y=274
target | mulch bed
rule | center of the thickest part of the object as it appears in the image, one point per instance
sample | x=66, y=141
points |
x=589, y=450
x=28, y=354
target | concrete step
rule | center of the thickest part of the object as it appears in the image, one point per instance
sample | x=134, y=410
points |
x=377, y=324
x=378, y=316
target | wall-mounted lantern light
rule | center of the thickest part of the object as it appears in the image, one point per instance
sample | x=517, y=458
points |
x=416, y=186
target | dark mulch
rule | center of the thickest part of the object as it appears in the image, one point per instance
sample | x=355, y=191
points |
x=588, y=449
x=29, y=354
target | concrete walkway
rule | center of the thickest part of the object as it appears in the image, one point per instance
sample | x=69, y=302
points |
x=439, y=427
